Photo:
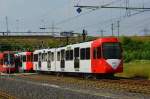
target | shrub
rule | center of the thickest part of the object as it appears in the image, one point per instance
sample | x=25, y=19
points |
x=135, y=50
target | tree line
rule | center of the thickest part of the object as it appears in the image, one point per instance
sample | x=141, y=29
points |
x=132, y=49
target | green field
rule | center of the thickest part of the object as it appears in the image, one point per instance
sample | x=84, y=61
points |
x=133, y=69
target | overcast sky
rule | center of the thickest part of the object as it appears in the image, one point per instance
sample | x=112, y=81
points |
x=24, y=15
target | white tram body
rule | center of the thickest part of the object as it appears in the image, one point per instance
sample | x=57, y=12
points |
x=87, y=57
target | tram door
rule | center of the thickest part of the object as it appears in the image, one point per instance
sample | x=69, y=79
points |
x=18, y=63
x=62, y=59
x=49, y=60
x=76, y=59
x=40, y=60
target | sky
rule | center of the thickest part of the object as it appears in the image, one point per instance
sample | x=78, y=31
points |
x=31, y=15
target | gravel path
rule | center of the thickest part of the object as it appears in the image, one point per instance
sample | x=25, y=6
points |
x=31, y=90
x=25, y=89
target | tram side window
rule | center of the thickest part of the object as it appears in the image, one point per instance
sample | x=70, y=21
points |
x=42, y=56
x=58, y=56
x=67, y=55
x=24, y=58
x=87, y=54
x=31, y=57
x=82, y=53
x=11, y=59
x=71, y=55
x=62, y=54
x=21, y=58
x=46, y=56
x=52, y=56
x=97, y=53
x=76, y=52
x=35, y=57
x=49, y=56
x=28, y=58
x=5, y=57
x=1, y=61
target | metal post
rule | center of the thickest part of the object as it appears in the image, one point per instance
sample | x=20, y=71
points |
x=7, y=30
x=9, y=65
x=84, y=35
x=53, y=27
x=102, y=33
x=118, y=22
x=112, y=28
x=67, y=38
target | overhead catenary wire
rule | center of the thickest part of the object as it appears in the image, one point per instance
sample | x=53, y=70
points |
x=106, y=21
x=85, y=13
x=131, y=8
x=111, y=20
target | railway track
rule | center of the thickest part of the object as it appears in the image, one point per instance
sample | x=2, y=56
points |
x=127, y=85
x=5, y=95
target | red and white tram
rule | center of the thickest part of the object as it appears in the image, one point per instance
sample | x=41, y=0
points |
x=101, y=56
x=7, y=63
x=24, y=61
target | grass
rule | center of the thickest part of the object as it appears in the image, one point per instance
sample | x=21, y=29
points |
x=139, y=68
